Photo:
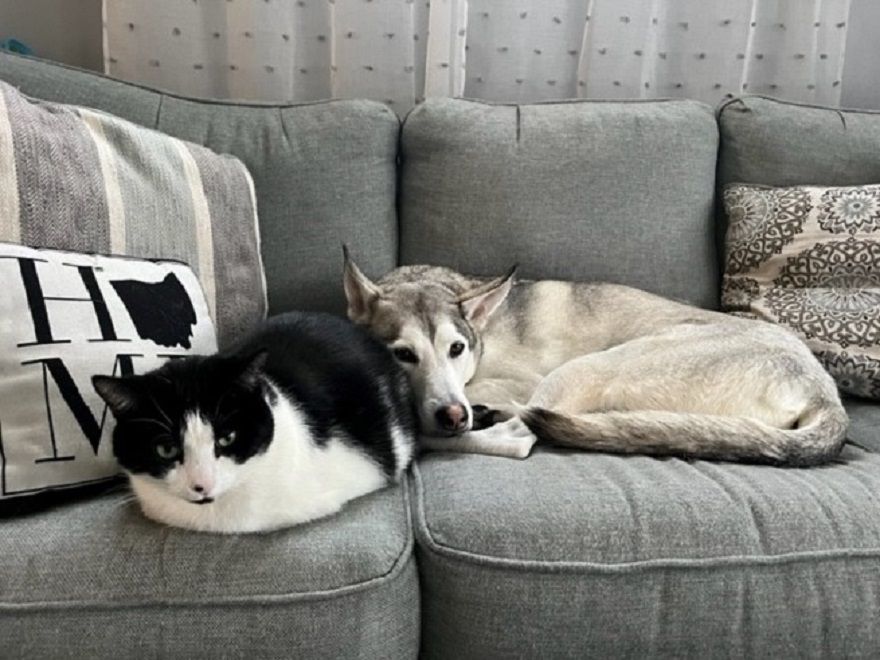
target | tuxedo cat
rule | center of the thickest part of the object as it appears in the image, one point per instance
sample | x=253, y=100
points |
x=304, y=415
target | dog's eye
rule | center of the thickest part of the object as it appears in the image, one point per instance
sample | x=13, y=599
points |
x=227, y=439
x=456, y=349
x=405, y=355
x=167, y=451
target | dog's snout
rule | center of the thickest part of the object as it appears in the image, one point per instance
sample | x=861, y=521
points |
x=453, y=417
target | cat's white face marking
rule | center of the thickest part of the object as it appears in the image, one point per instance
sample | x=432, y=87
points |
x=202, y=475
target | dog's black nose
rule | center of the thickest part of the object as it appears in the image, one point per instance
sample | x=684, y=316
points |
x=452, y=418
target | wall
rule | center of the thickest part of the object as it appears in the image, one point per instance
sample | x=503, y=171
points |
x=67, y=31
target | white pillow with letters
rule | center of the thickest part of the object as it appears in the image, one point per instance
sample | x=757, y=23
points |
x=65, y=317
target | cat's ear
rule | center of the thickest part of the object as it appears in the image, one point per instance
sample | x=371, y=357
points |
x=478, y=304
x=120, y=394
x=250, y=369
x=360, y=292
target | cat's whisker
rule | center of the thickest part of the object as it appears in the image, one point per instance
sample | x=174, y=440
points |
x=219, y=402
x=157, y=422
x=161, y=412
x=123, y=502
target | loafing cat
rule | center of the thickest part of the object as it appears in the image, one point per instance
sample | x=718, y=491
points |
x=298, y=419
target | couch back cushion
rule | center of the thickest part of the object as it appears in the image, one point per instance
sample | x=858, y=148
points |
x=583, y=190
x=324, y=173
x=777, y=143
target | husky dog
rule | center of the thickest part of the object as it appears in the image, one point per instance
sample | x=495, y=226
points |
x=306, y=414
x=598, y=367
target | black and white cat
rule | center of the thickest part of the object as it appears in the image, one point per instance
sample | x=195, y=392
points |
x=303, y=416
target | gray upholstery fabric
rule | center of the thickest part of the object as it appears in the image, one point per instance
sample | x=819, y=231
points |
x=615, y=191
x=324, y=173
x=571, y=554
x=864, y=423
x=96, y=579
x=784, y=144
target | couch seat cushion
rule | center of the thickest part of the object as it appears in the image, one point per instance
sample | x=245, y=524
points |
x=344, y=586
x=571, y=553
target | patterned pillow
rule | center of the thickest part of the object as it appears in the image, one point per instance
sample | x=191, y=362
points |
x=64, y=317
x=809, y=258
x=80, y=180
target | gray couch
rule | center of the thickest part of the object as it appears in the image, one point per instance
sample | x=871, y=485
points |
x=562, y=555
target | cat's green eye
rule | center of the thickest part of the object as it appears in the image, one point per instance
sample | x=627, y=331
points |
x=167, y=451
x=227, y=439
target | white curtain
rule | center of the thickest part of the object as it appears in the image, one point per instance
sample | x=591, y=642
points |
x=398, y=51
x=290, y=50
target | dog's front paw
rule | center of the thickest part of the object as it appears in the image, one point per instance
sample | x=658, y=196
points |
x=511, y=439
x=516, y=438
x=484, y=417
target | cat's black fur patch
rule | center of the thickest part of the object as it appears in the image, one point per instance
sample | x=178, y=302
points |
x=341, y=378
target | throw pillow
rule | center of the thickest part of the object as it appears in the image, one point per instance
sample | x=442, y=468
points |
x=808, y=258
x=63, y=318
x=76, y=179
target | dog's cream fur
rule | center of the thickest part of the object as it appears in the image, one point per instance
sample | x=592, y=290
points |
x=601, y=367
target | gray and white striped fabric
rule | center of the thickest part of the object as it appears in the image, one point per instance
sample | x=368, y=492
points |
x=76, y=179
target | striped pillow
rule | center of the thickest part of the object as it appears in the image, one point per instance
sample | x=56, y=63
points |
x=76, y=179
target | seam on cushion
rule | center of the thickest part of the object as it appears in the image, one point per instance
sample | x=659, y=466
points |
x=158, y=112
x=426, y=539
x=398, y=566
x=182, y=97
x=681, y=101
x=814, y=106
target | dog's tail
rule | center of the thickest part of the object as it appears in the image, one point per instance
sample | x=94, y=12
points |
x=817, y=437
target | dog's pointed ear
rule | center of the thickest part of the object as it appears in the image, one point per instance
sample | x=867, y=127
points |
x=360, y=292
x=479, y=304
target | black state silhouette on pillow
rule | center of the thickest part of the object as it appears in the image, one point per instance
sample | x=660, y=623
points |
x=161, y=311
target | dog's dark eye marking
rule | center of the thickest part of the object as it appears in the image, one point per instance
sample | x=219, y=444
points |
x=405, y=355
x=456, y=349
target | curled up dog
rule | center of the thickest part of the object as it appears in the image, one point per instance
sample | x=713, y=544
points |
x=498, y=364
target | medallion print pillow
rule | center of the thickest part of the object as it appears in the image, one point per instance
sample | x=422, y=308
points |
x=64, y=317
x=808, y=258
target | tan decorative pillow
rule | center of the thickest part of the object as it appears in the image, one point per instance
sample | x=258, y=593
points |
x=808, y=258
